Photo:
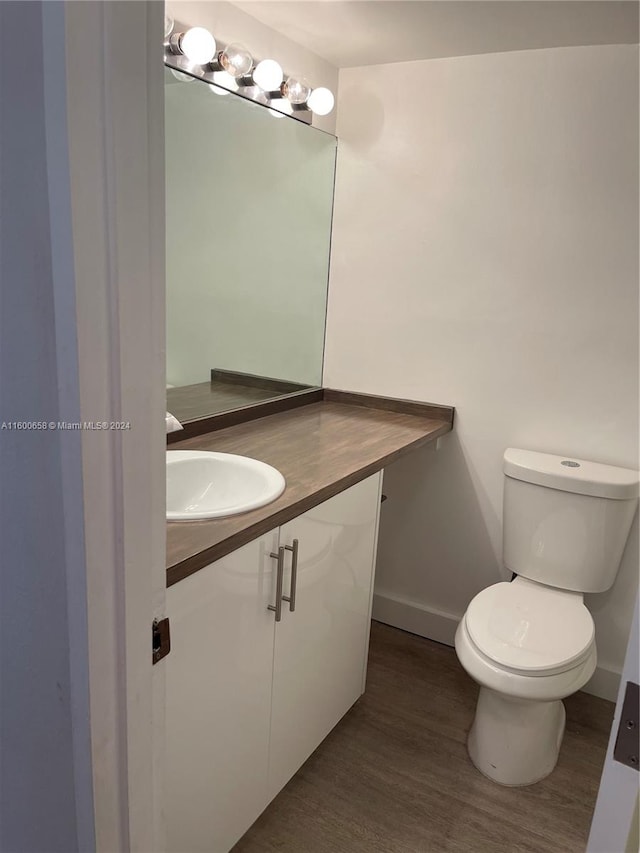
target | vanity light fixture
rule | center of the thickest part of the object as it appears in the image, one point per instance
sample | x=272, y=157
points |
x=197, y=44
x=230, y=68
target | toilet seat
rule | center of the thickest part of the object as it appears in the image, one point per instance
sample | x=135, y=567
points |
x=542, y=687
x=530, y=629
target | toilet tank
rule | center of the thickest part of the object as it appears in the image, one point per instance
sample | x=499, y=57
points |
x=566, y=521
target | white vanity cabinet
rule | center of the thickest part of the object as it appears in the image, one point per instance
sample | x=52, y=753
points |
x=249, y=698
x=218, y=699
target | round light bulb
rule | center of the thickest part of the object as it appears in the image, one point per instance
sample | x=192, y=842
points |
x=268, y=75
x=275, y=113
x=168, y=26
x=183, y=78
x=282, y=106
x=321, y=101
x=236, y=60
x=225, y=80
x=218, y=90
x=198, y=45
x=296, y=91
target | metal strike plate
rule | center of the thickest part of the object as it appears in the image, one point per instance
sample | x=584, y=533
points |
x=161, y=640
x=627, y=748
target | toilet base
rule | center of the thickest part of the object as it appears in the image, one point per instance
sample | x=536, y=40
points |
x=515, y=741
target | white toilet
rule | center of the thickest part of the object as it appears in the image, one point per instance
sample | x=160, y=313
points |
x=530, y=643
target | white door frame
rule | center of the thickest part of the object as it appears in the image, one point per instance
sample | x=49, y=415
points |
x=114, y=106
x=617, y=803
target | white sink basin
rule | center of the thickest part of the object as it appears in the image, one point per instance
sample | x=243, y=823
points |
x=203, y=484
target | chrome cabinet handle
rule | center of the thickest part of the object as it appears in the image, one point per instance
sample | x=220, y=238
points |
x=277, y=607
x=291, y=598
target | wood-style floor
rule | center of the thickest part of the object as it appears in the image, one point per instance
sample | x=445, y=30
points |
x=394, y=775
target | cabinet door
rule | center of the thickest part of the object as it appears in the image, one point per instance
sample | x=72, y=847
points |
x=321, y=648
x=219, y=699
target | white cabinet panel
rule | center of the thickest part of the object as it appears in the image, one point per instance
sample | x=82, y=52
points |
x=321, y=648
x=219, y=699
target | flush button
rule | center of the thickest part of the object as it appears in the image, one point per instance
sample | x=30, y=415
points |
x=568, y=464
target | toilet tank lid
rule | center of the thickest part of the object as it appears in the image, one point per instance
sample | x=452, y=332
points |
x=571, y=475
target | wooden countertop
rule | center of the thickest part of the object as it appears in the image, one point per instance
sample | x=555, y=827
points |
x=321, y=449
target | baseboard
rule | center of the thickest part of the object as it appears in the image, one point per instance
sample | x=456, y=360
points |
x=409, y=615
x=603, y=683
x=414, y=617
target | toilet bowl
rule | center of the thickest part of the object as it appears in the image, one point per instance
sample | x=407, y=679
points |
x=531, y=643
x=528, y=647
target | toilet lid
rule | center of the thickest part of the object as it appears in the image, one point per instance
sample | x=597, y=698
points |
x=530, y=627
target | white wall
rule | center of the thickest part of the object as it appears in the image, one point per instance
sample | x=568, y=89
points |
x=485, y=255
x=228, y=23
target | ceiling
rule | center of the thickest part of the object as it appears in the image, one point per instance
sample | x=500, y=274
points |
x=350, y=33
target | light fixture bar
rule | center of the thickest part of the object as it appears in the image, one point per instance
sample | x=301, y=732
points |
x=251, y=92
x=197, y=53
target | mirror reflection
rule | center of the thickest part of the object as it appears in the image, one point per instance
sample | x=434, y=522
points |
x=249, y=197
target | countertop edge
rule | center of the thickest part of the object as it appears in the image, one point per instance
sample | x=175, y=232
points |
x=183, y=569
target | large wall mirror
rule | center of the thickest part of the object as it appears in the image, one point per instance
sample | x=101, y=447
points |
x=249, y=198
